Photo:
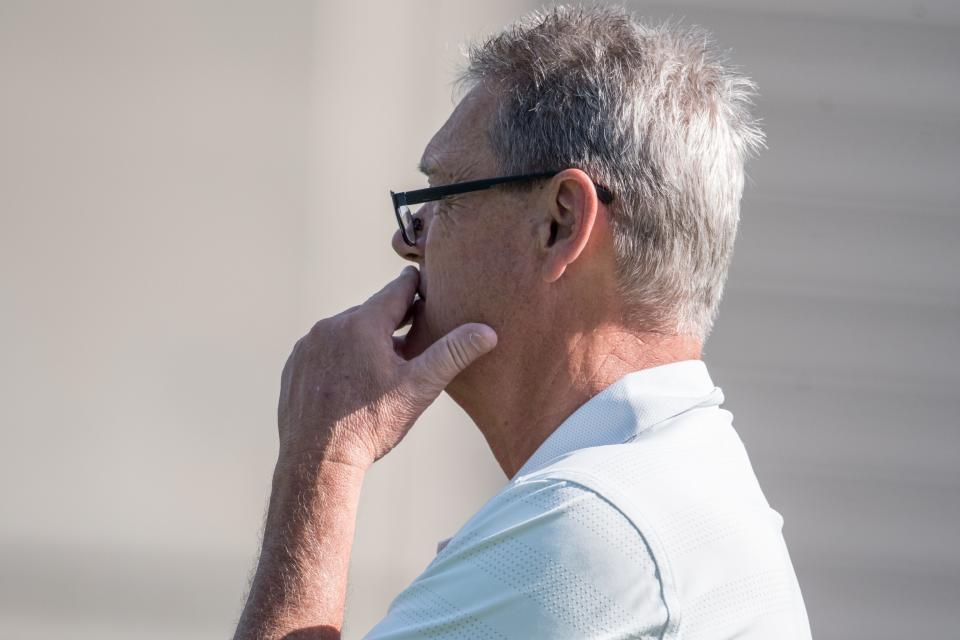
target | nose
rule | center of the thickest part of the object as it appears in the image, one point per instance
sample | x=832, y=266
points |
x=416, y=252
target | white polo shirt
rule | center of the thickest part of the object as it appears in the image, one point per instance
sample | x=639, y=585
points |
x=639, y=517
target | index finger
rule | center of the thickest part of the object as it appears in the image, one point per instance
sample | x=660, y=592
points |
x=394, y=299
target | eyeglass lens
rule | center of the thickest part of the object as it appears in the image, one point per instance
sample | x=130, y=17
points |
x=408, y=224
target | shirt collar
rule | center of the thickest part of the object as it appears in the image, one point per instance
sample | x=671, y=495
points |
x=628, y=407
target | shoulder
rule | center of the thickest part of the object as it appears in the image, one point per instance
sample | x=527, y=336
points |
x=544, y=557
x=561, y=521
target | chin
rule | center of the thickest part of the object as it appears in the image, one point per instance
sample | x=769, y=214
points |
x=419, y=337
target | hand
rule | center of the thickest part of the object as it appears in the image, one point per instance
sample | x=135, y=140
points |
x=346, y=395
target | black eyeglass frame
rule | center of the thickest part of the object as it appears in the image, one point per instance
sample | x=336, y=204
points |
x=402, y=200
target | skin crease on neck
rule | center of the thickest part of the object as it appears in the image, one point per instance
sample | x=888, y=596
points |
x=536, y=265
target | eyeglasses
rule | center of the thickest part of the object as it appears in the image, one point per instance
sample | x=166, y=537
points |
x=410, y=225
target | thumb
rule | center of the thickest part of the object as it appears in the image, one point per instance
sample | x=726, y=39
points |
x=444, y=359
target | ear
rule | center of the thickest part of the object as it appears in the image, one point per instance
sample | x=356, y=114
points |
x=571, y=211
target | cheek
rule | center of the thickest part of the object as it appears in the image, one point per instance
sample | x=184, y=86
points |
x=501, y=286
x=477, y=272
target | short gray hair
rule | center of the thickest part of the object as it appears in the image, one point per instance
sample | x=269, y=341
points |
x=652, y=112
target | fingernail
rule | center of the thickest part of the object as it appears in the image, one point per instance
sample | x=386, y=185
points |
x=480, y=341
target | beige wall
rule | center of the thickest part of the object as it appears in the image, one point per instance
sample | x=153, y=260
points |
x=185, y=187
x=154, y=182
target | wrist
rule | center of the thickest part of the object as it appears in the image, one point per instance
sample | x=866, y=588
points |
x=330, y=457
x=301, y=573
x=304, y=489
x=310, y=471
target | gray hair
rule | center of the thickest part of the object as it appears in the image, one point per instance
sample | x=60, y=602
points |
x=653, y=113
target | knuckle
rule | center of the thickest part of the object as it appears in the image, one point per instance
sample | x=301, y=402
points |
x=354, y=323
x=302, y=345
x=458, y=354
x=409, y=396
x=319, y=328
x=356, y=326
x=298, y=345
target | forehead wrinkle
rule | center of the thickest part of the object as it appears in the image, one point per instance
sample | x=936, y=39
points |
x=459, y=150
x=450, y=167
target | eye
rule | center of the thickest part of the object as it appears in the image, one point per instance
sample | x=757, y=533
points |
x=449, y=202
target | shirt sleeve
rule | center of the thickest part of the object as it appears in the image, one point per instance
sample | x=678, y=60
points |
x=544, y=559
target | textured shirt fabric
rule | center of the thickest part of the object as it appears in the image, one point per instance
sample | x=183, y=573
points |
x=640, y=516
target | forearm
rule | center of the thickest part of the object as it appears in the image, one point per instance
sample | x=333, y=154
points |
x=346, y=395
x=300, y=584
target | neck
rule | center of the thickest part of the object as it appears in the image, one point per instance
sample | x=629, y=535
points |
x=518, y=399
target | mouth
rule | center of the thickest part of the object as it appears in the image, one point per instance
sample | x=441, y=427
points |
x=416, y=308
x=419, y=302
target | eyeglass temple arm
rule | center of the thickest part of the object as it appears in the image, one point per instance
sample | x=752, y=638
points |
x=425, y=195
x=419, y=196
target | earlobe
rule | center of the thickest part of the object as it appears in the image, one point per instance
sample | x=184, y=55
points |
x=553, y=269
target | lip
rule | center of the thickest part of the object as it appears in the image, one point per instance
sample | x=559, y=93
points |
x=416, y=309
x=413, y=311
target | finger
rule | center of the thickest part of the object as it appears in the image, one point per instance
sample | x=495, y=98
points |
x=407, y=319
x=393, y=301
x=444, y=359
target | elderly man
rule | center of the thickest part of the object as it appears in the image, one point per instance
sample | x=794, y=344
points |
x=572, y=252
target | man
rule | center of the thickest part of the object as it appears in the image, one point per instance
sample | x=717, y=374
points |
x=563, y=305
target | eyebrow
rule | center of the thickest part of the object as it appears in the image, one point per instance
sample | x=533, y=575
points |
x=426, y=169
x=431, y=169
